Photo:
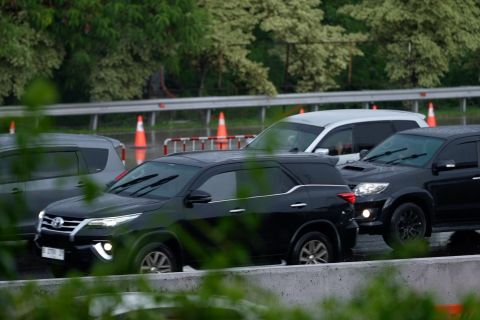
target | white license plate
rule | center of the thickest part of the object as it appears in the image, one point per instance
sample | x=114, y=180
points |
x=53, y=253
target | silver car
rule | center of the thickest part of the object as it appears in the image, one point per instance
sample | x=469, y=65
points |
x=343, y=133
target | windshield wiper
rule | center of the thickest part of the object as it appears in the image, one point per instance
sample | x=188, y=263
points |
x=412, y=156
x=154, y=185
x=133, y=182
x=386, y=153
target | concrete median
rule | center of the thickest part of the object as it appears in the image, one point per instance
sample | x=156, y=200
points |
x=448, y=278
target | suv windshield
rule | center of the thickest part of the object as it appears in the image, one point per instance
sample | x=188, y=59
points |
x=156, y=180
x=286, y=136
x=405, y=149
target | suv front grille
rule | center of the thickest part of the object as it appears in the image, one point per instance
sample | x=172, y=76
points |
x=59, y=224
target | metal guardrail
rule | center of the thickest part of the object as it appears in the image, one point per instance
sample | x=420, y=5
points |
x=206, y=143
x=208, y=103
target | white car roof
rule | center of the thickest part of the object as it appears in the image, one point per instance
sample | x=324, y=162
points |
x=327, y=117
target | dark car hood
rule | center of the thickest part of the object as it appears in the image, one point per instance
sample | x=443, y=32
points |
x=106, y=205
x=362, y=171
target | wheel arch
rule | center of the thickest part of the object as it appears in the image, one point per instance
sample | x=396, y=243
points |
x=420, y=197
x=168, y=238
x=324, y=226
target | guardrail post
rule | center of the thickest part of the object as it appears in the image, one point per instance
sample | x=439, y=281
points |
x=366, y=105
x=208, y=117
x=315, y=107
x=94, y=122
x=263, y=113
x=463, y=105
x=153, y=118
x=415, y=106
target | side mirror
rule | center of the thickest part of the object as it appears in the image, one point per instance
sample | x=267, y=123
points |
x=197, y=196
x=444, y=165
x=363, y=153
x=322, y=151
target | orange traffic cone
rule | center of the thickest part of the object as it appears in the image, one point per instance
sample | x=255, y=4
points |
x=301, y=110
x=140, y=155
x=140, y=139
x=374, y=107
x=12, y=127
x=222, y=133
x=432, y=122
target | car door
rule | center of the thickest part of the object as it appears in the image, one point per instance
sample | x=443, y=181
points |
x=56, y=176
x=210, y=226
x=275, y=207
x=369, y=134
x=339, y=142
x=12, y=192
x=456, y=191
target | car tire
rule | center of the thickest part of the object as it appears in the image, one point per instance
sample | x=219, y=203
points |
x=156, y=258
x=312, y=248
x=408, y=222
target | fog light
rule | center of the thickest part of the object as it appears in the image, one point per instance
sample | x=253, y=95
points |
x=366, y=213
x=107, y=246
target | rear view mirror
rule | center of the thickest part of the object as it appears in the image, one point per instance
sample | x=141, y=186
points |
x=444, y=165
x=197, y=196
x=322, y=151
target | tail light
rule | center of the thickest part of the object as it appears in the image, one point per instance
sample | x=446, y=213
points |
x=122, y=152
x=347, y=196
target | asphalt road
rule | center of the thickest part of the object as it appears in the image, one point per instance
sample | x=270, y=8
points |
x=368, y=248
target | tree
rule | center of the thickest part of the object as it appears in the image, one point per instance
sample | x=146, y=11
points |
x=27, y=50
x=420, y=38
x=317, y=53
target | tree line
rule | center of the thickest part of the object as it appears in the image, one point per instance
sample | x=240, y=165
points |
x=100, y=50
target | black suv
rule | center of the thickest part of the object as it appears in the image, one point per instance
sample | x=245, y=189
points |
x=61, y=163
x=301, y=208
x=417, y=182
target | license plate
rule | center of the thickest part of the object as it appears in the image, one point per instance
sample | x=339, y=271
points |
x=53, y=253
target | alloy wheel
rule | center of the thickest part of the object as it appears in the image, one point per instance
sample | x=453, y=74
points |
x=156, y=262
x=410, y=225
x=314, y=252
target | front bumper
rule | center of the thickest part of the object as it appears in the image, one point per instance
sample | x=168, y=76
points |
x=373, y=221
x=348, y=235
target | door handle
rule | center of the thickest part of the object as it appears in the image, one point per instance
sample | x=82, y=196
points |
x=16, y=191
x=476, y=178
x=80, y=184
x=298, y=205
x=237, y=210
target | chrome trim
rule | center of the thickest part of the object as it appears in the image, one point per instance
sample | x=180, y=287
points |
x=476, y=178
x=298, y=205
x=53, y=230
x=281, y=194
x=101, y=252
x=78, y=228
x=237, y=210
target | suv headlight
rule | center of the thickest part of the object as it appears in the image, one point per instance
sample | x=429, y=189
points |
x=368, y=188
x=112, y=221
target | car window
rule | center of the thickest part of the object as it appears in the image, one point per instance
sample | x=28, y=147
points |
x=222, y=186
x=338, y=142
x=263, y=181
x=368, y=135
x=286, y=136
x=156, y=180
x=96, y=158
x=316, y=173
x=401, y=125
x=463, y=153
x=55, y=164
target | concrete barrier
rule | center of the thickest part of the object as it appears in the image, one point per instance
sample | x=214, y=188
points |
x=448, y=278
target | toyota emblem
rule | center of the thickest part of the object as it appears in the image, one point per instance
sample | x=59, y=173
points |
x=57, y=223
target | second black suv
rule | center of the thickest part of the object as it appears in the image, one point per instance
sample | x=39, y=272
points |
x=417, y=182
x=172, y=212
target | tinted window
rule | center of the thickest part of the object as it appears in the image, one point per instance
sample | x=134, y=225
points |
x=55, y=164
x=316, y=173
x=368, y=135
x=401, y=125
x=154, y=180
x=463, y=153
x=95, y=158
x=263, y=181
x=405, y=149
x=222, y=186
x=338, y=142
x=286, y=136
